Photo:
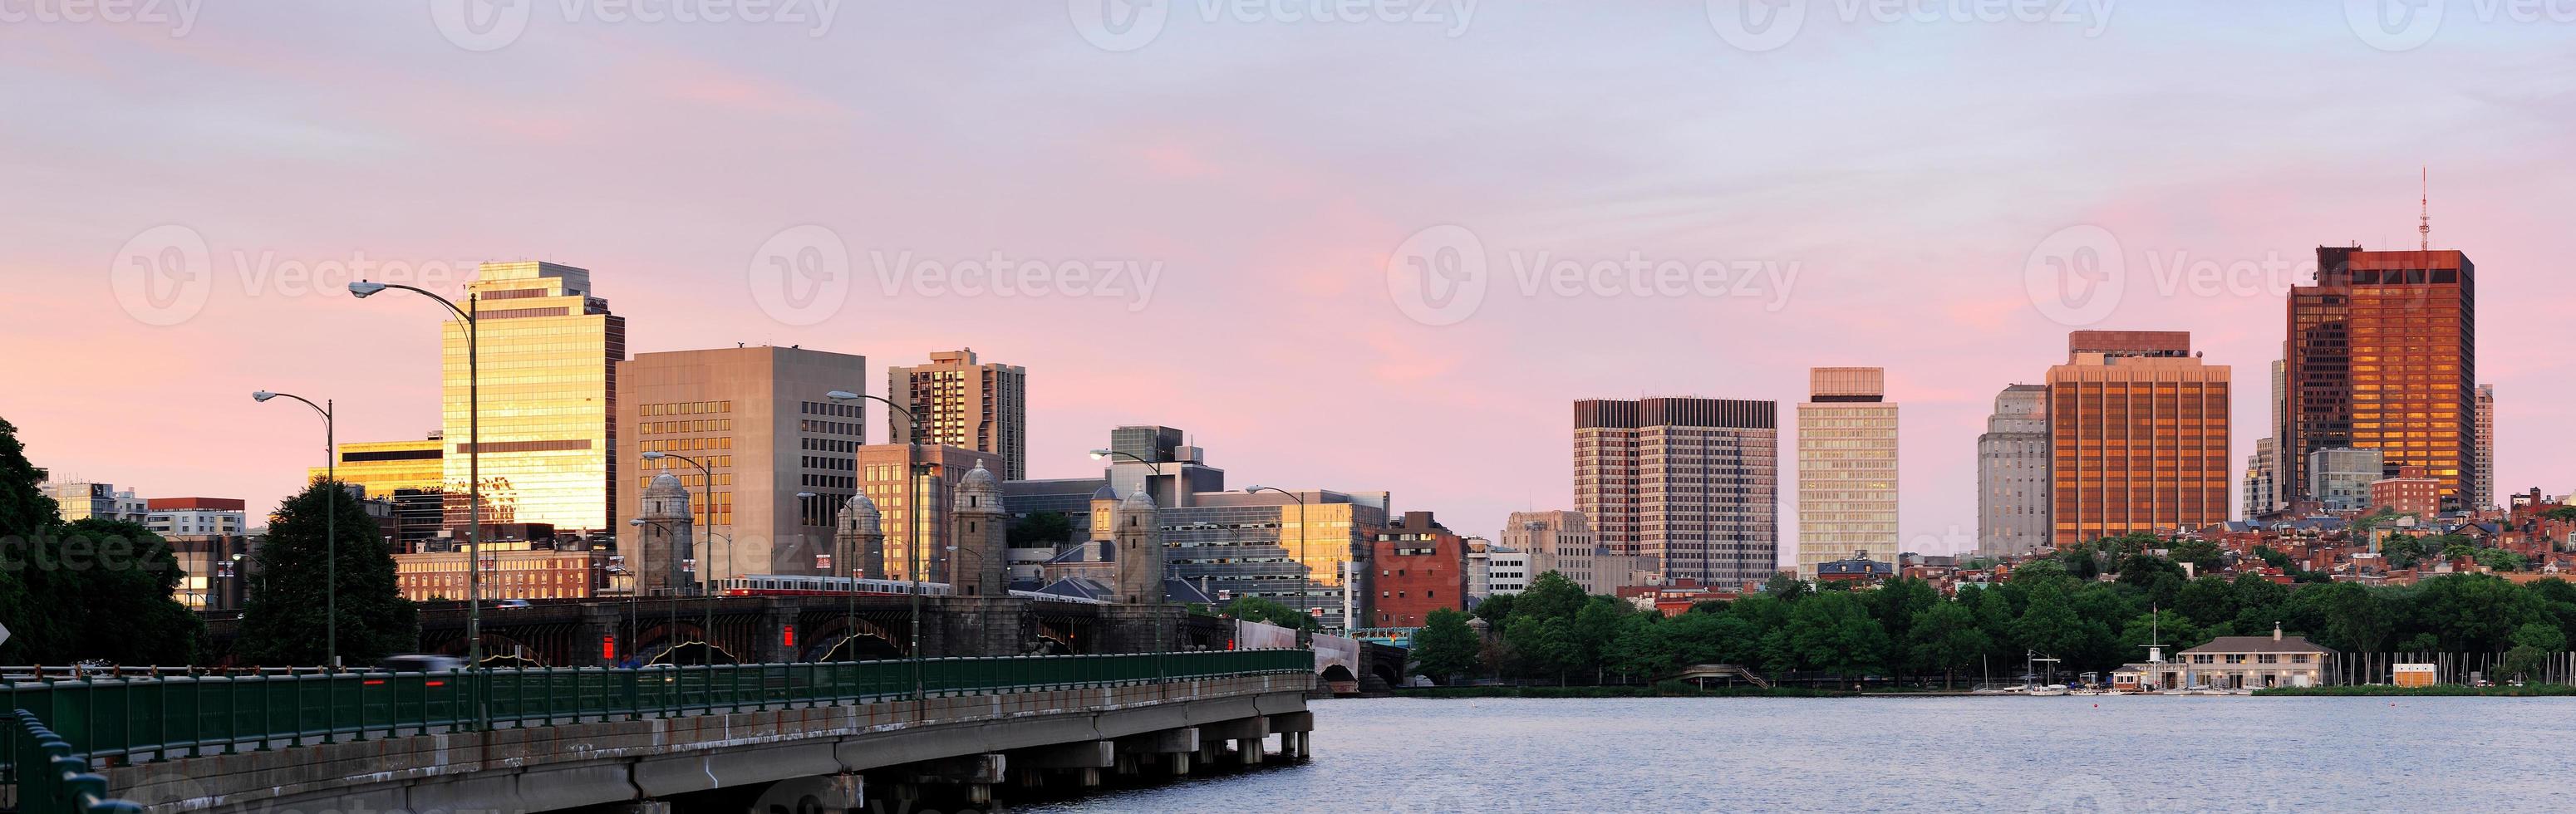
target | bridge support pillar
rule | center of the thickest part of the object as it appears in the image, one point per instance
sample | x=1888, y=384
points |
x=1246, y=734
x=1293, y=729
x=774, y=622
x=643, y=807
x=1173, y=746
x=978, y=774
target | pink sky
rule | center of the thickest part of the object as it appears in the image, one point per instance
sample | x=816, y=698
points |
x=1268, y=170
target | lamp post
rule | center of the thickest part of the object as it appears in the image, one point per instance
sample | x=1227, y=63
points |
x=1306, y=571
x=914, y=508
x=330, y=524
x=473, y=460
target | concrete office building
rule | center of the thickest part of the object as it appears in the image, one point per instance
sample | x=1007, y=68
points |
x=2138, y=437
x=1176, y=474
x=1562, y=541
x=2340, y=479
x=2260, y=490
x=550, y=350
x=1494, y=569
x=880, y=473
x=760, y=420
x=2012, y=474
x=1310, y=556
x=1846, y=466
x=961, y=402
x=2383, y=355
x=1691, y=484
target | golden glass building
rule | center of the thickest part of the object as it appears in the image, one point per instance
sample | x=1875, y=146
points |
x=2382, y=355
x=2139, y=433
x=1846, y=467
x=382, y=467
x=549, y=359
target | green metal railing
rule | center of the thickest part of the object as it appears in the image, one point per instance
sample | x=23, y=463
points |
x=46, y=776
x=180, y=717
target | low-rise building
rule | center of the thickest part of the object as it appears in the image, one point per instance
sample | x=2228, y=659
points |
x=2413, y=492
x=172, y=516
x=1421, y=567
x=2250, y=662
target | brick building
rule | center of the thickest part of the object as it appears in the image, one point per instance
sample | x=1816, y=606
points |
x=1422, y=567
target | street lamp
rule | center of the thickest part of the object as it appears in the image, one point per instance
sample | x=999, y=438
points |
x=473, y=456
x=330, y=523
x=913, y=510
x=1306, y=571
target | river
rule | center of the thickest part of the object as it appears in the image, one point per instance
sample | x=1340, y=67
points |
x=2098, y=754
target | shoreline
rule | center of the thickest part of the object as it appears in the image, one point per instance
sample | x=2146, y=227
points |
x=2447, y=691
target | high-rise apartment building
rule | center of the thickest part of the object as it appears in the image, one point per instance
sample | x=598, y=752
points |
x=2138, y=436
x=1691, y=484
x=2012, y=474
x=1846, y=466
x=762, y=421
x=2383, y=355
x=2260, y=488
x=2267, y=489
x=549, y=421
x=2485, y=496
x=962, y=403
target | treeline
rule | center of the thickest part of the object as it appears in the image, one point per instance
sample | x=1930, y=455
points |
x=2057, y=607
x=87, y=590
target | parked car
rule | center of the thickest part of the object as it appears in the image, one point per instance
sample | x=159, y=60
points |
x=512, y=604
x=420, y=663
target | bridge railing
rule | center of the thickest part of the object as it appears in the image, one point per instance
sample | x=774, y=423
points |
x=43, y=775
x=164, y=718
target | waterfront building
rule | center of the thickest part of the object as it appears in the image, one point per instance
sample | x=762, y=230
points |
x=2339, y=479
x=961, y=402
x=2012, y=474
x=1690, y=484
x=1312, y=556
x=1846, y=466
x=174, y=516
x=762, y=421
x=550, y=350
x=1421, y=566
x=2383, y=355
x=2248, y=662
x=2139, y=437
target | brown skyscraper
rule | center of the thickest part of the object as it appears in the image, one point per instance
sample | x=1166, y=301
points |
x=2382, y=354
x=2138, y=433
x=1692, y=485
x=964, y=403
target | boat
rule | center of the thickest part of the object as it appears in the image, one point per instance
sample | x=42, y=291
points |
x=2052, y=689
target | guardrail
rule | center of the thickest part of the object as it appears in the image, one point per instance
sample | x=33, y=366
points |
x=165, y=718
x=46, y=776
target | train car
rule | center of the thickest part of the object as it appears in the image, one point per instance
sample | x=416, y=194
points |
x=793, y=585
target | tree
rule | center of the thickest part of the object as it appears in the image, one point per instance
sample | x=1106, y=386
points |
x=1497, y=608
x=285, y=620
x=124, y=578
x=25, y=514
x=1040, y=530
x=1550, y=596
x=2402, y=550
x=2532, y=646
x=2202, y=554
x=1259, y=609
x=1445, y=647
x=2500, y=559
x=1832, y=632
x=1787, y=588
x=1945, y=637
x=2207, y=601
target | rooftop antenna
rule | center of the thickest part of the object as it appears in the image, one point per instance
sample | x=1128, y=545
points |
x=2424, y=228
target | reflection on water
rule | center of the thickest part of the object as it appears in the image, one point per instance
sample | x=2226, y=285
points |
x=2108, y=754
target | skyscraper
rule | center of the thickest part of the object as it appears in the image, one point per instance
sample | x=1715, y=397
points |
x=960, y=403
x=2012, y=474
x=2383, y=355
x=762, y=421
x=1846, y=467
x=549, y=357
x=2138, y=436
x=2485, y=496
x=2260, y=488
x=1691, y=484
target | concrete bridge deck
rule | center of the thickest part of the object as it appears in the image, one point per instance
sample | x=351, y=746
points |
x=822, y=741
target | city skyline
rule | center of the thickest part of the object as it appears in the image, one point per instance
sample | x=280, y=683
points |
x=1466, y=418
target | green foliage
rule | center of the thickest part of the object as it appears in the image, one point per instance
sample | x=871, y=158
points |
x=2402, y=550
x=1260, y=609
x=1494, y=609
x=1944, y=638
x=92, y=589
x=1445, y=647
x=286, y=618
x=1040, y=530
x=2202, y=554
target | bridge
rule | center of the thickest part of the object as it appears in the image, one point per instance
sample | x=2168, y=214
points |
x=938, y=733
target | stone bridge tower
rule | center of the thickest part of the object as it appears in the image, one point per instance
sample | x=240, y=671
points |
x=665, y=525
x=860, y=536
x=1139, y=551
x=980, y=531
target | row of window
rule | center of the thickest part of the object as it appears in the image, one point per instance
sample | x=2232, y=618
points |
x=685, y=408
